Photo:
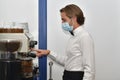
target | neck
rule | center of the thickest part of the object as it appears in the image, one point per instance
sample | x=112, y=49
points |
x=76, y=26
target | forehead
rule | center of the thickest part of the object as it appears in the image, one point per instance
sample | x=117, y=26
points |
x=64, y=16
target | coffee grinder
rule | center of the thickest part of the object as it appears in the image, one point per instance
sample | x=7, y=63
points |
x=16, y=59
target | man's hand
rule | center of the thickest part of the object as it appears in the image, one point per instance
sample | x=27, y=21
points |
x=41, y=52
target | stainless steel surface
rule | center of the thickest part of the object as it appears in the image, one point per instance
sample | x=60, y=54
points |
x=10, y=69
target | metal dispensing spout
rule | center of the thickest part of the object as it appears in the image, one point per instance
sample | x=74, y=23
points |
x=30, y=54
x=50, y=67
x=32, y=44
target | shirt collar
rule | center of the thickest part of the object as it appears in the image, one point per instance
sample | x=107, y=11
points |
x=77, y=30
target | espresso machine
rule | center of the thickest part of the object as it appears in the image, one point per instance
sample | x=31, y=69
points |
x=16, y=57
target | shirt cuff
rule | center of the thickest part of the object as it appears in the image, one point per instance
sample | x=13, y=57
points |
x=52, y=55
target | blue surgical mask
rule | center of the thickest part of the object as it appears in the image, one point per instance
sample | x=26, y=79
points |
x=67, y=27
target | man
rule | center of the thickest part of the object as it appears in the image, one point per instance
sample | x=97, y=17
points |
x=79, y=59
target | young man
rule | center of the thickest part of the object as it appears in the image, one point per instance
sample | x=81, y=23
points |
x=79, y=59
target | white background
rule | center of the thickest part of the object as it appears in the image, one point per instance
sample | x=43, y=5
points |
x=102, y=21
x=20, y=11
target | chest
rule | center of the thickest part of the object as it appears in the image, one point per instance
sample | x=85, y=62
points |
x=73, y=47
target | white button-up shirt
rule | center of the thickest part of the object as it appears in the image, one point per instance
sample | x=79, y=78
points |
x=79, y=54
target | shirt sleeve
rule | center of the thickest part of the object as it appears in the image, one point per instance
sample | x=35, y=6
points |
x=57, y=58
x=87, y=48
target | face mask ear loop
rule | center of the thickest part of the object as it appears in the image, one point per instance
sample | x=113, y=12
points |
x=71, y=21
x=71, y=32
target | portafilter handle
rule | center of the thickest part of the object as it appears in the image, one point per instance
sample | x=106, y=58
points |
x=30, y=54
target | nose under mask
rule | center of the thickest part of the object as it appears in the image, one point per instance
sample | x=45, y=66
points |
x=67, y=27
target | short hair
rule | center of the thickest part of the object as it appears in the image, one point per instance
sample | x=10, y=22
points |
x=73, y=10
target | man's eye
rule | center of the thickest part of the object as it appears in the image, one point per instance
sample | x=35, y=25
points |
x=63, y=20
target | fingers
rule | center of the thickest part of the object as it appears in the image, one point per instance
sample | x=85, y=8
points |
x=38, y=55
x=40, y=52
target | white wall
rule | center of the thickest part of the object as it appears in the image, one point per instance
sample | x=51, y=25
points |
x=103, y=22
x=21, y=11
